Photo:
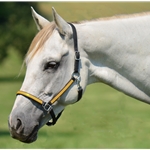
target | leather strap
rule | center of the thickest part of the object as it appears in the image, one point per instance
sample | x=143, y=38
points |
x=77, y=53
x=77, y=59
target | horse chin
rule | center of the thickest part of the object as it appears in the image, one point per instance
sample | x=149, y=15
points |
x=23, y=138
x=31, y=138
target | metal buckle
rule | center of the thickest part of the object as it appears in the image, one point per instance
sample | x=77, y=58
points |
x=47, y=107
x=77, y=55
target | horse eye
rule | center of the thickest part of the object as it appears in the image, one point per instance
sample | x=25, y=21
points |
x=51, y=65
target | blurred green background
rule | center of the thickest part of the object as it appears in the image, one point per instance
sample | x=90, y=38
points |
x=104, y=118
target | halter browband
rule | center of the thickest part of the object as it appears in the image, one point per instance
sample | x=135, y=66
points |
x=75, y=77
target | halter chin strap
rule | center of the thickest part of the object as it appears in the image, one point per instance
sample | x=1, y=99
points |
x=47, y=106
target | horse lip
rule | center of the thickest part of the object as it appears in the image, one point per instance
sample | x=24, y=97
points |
x=26, y=139
x=33, y=136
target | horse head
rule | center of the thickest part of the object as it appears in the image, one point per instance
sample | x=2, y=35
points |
x=52, y=64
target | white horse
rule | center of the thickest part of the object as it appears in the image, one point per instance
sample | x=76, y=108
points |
x=115, y=51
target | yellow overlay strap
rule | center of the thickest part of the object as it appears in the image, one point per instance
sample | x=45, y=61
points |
x=54, y=98
x=30, y=96
x=62, y=91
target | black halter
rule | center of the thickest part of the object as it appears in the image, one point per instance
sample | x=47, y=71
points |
x=77, y=61
x=75, y=76
x=47, y=106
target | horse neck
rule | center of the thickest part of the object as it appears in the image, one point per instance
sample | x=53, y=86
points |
x=95, y=39
x=111, y=51
x=107, y=43
x=98, y=37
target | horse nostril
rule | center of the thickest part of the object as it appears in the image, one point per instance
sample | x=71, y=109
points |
x=18, y=124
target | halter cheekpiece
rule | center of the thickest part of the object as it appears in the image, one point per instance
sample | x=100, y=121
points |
x=48, y=106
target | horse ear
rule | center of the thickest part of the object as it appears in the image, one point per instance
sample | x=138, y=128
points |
x=62, y=25
x=40, y=21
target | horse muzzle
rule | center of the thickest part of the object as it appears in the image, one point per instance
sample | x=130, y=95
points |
x=18, y=133
x=23, y=127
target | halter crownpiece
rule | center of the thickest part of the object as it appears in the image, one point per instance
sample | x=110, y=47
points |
x=47, y=106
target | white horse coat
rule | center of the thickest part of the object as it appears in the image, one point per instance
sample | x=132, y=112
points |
x=114, y=51
x=118, y=53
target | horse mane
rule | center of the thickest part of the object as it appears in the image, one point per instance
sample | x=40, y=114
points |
x=39, y=40
x=47, y=31
x=119, y=16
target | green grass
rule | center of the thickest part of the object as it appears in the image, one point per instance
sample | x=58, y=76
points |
x=104, y=118
x=78, y=11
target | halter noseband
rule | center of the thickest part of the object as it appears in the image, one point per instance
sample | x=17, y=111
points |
x=47, y=106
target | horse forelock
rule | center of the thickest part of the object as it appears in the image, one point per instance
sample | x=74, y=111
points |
x=39, y=40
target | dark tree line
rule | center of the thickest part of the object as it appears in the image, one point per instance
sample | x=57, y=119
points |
x=17, y=27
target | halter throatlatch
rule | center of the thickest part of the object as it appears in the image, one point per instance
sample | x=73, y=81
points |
x=48, y=106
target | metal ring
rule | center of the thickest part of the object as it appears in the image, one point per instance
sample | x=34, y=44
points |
x=77, y=55
x=77, y=76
